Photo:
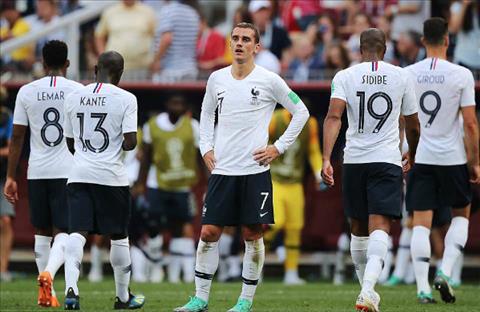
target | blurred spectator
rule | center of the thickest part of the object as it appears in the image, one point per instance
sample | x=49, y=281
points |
x=46, y=13
x=241, y=15
x=272, y=37
x=410, y=49
x=128, y=28
x=175, y=57
x=361, y=22
x=68, y=6
x=6, y=209
x=305, y=65
x=384, y=24
x=268, y=60
x=210, y=47
x=297, y=15
x=336, y=58
x=465, y=23
x=22, y=58
x=322, y=33
x=408, y=15
x=374, y=9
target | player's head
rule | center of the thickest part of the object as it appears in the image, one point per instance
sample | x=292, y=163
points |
x=55, y=54
x=109, y=67
x=176, y=105
x=244, y=42
x=373, y=41
x=435, y=32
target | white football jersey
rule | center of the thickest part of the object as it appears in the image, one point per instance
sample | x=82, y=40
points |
x=376, y=94
x=245, y=109
x=442, y=88
x=40, y=106
x=97, y=116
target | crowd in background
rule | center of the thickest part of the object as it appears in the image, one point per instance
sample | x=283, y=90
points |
x=169, y=41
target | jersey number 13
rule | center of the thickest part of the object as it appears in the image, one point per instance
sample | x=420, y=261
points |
x=87, y=145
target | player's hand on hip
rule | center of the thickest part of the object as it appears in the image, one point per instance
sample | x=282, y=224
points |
x=264, y=156
x=475, y=174
x=406, y=162
x=11, y=190
x=210, y=161
x=327, y=173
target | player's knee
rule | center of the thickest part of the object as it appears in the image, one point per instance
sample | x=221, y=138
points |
x=210, y=233
x=461, y=212
x=253, y=232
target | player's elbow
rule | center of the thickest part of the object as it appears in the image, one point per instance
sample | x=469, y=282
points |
x=129, y=145
x=470, y=126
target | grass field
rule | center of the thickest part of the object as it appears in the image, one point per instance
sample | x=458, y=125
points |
x=271, y=296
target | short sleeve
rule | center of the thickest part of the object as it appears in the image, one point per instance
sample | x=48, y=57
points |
x=338, y=88
x=147, y=136
x=20, y=116
x=165, y=24
x=467, y=96
x=129, y=123
x=409, y=99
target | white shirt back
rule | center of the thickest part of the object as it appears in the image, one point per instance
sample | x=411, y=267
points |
x=376, y=94
x=442, y=88
x=40, y=105
x=97, y=116
x=245, y=109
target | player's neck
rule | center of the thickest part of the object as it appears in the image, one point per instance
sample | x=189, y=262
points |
x=240, y=71
x=104, y=79
x=55, y=72
x=371, y=57
x=438, y=52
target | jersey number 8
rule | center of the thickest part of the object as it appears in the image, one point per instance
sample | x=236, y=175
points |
x=381, y=117
x=98, y=128
x=53, y=123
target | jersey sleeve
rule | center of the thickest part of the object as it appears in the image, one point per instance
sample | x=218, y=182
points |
x=409, y=99
x=207, y=118
x=20, y=116
x=292, y=102
x=338, y=88
x=129, y=123
x=467, y=96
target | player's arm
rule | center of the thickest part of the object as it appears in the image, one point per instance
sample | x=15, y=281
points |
x=129, y=141
x=207, y=125
x=314, y=153
x=412, y=132
x=470, y=125
x=331, y=129
x=409, y=111
x=18, y=137
x=292, y=102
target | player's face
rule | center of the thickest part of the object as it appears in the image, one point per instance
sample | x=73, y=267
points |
x=243, y=44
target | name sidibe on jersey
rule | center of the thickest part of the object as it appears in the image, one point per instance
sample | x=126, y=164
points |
x=374, y=79
x=50, y=96
x=93, y=101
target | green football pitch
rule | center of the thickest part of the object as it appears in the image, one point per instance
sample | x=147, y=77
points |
x=271, y=296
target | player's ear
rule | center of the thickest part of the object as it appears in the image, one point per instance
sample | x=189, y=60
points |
x=422, y=39
x=257, y=48
x=67, y=64
x=446, y=40
x=95, y=70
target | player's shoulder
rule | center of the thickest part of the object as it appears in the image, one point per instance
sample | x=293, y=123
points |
x=460, y=70
x=220, y=73
x=31, y=86
x=74, y=84
x=124, y=94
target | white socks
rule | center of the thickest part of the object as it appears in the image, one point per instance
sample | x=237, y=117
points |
x=205, y=267
x=188, y=259
x=457, y=270
x=358, y=250
x=387, y=264
x=73, y=260
x=252, y=267
x=57, y=254
x=42, y=251
x=403, y=253
x=421, y=253
x=376, y=253
x=455, y=241
x=121, y=264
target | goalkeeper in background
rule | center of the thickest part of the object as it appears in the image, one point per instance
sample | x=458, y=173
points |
x=288, y=197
